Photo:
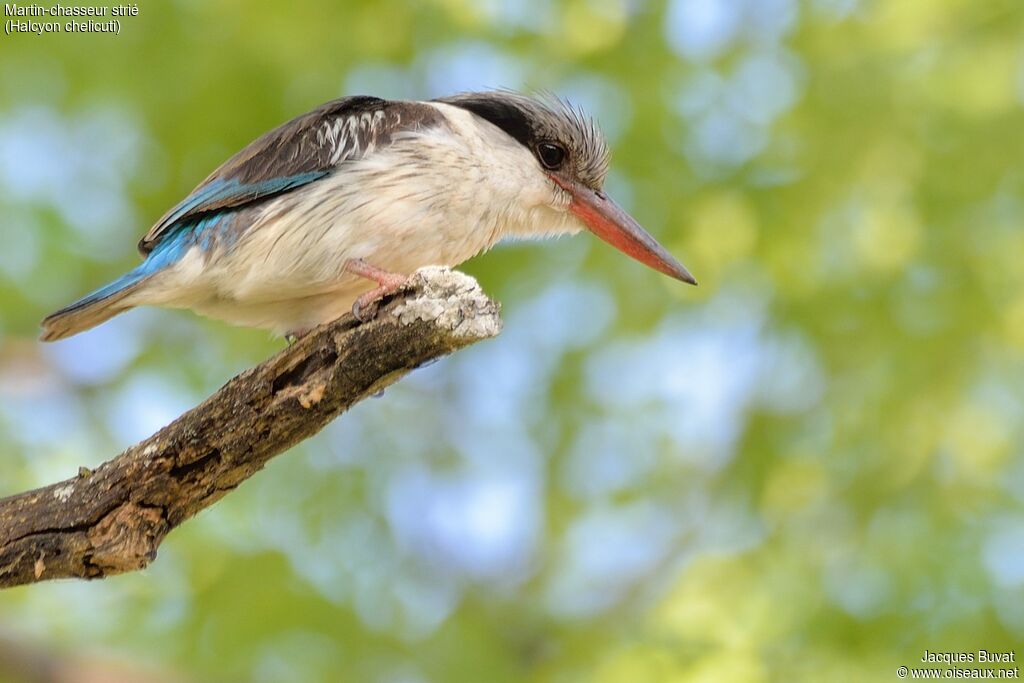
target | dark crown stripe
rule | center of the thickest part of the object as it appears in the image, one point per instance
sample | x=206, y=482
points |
x=504, y=115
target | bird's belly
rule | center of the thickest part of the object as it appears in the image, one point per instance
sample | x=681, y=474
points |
x=286, y=272
x=285, y=316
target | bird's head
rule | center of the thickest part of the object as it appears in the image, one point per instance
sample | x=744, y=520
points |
x=572, y=153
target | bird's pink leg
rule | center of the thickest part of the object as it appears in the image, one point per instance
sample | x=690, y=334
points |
x=387, y=283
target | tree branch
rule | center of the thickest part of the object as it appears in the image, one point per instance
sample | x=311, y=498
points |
x=112, y=520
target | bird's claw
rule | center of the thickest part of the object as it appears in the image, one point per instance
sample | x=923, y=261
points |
x=366, y=306
x=365, y=311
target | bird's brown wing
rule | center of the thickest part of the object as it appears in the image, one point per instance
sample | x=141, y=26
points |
x=294, y=154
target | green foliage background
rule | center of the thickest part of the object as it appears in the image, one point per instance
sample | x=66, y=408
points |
x=809, y=468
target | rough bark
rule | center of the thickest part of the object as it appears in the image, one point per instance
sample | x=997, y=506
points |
x=111, y=520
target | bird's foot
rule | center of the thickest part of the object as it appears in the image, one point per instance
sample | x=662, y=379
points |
x=365, y=307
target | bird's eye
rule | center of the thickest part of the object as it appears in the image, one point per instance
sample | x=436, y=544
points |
x=551, y=155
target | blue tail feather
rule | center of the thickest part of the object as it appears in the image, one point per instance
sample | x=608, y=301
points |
x=108, y=290
x=166, y=253
x=108, y=301
x=93, y=308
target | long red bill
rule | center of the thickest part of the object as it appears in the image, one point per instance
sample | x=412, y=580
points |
x=611, y=223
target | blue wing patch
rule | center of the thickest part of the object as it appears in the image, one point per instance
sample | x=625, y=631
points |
x=220, y=194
